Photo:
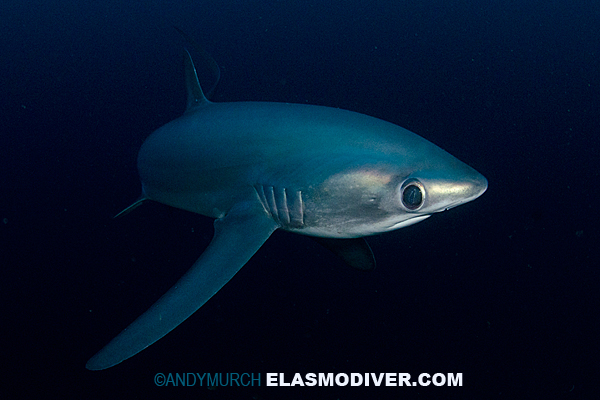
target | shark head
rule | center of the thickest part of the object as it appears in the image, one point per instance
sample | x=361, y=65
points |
x=391, y=193
x=424, y=192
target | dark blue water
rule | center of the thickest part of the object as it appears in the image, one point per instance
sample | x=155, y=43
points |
x=504, y=289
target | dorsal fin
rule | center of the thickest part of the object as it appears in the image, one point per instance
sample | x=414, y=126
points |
x=195, y=97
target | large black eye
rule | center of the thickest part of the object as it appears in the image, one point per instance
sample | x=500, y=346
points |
x=412, y=196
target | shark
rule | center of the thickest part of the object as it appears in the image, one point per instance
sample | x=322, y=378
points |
x=255, y=167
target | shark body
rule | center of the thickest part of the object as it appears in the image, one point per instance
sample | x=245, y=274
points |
x=256, y=167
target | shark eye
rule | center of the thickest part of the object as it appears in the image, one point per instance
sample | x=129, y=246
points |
x=412, y=195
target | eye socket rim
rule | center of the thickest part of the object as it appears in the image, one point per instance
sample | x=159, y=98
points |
x=419, y=185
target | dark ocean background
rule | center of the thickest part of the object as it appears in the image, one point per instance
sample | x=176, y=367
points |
x=504, y=289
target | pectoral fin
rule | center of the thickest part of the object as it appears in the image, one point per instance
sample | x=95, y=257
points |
x=355, y=252
x=237, y=237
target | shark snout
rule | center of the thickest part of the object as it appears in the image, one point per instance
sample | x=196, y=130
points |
x=480, y=186
x=477, y=186
x=468, y=190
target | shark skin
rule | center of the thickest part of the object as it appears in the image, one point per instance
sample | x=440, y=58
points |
x=256, y=167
